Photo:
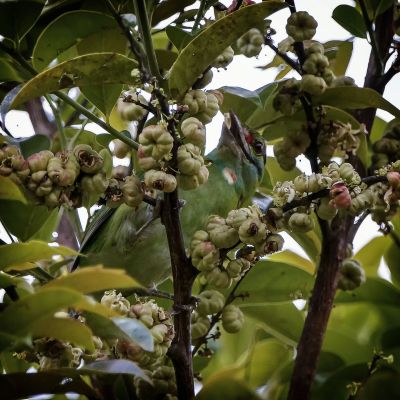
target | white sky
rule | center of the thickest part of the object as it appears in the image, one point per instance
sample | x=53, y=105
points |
x=242, y=72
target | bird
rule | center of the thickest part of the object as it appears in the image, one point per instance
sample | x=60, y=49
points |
x=135, y=240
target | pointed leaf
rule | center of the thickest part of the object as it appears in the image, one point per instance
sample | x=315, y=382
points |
x=350, y=19
x=208, y=44
x=103, y=97
x=392, y=256
x=94, y=279
x=10, y=190
x=65, y=329
x=35, y=250
x=355, y=98
x=123, y=328
x=89, y=69
x=84, y=23
x=19, y=316
x=291, y=258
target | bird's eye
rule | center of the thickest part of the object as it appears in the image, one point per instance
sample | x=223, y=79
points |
x=258, y=146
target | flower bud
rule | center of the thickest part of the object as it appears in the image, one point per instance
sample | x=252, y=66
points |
x=301, y=222
x=325, y=210
x=116, y=302
x=340, y=196
x=38, y=161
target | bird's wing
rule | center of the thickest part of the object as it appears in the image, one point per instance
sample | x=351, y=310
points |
x=99, y=218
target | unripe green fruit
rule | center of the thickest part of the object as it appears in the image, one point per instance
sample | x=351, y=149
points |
x=200, y=326
x=205, y=256
x=343, y=81
x=328, y=76
x=159, y=332
x=221, y=234
x=190, y=182
x=352, y=275
x=252, y=231
x=236, y=218
x=211, y=302
x=300, y=222
x=386, y=146
x=132, y=191
x=143, y=312
x=160, y=180
x=52, y=200
x=211, y=109
x=349, y=174
x=89, y=160
x=325, y=211
x=156, y=141
x=224, y=59
x=193, y=131
x=38, y=161
x=236, y=268
x=189, y=159
x=286, y=163
x=315, y=47
x=316, y=64
x=128, y=110
x=196, y=100
x=198, y=238
x=121, y=149
x=218, y=278
x=232, y=319
x=145, y=162
x=363, y=201
x=250, y=44
x=286, y=103
x=301, y=26
x=313, y=85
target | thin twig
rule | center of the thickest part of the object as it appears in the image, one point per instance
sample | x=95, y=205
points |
x=292, y=63
x=199, y=15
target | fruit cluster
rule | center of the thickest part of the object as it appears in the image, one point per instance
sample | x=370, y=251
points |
x=387, y=149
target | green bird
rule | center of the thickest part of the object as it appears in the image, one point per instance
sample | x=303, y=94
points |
x=133, y=239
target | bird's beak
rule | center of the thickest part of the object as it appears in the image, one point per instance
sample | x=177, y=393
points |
x=233, y=136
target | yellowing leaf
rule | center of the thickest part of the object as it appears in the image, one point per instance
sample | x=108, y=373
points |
x=94, y=279
x=15, y=254
x=206, y=46
x=10, y=190
x=289, y=257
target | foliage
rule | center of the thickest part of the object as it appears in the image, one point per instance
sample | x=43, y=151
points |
x=183, y=276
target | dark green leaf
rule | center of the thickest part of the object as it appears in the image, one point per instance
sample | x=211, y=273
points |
x=179, y=37
x=387, y=379
x=241, y=101
x=58, y=35
x=90, y=69
x=350, y=19
x=165, y=58
x=18, y=17
x=168, y=8
x=34, y=144
x=208, y=44
x=339, y=54
x=378, y=129
x=354, y=97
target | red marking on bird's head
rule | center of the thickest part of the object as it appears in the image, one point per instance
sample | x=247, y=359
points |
x=248, y=136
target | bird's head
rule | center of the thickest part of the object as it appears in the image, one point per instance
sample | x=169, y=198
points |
x=244, y=145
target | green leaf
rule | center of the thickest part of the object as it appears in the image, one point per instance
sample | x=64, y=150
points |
x=89, y=69
x=25, y=220
x=165, y=58
x=179, y=37
x=378, y=129
x=65, y=329
x=392, y=256
x=388, y=379
x=371, y=254
x=94, y=279
x=269, y=282
x=241, y=101
x=283, y=321
x=168, y=8
x=19, y=317
x=14, y=254
x=18, y=17
x=355, y=98
x=10, y=190
x=58, y=36
x=103, y=97
x=122, y=328
x=34, y=144
x=340, y=57
x=374, y=290
x=113, y=367
x=209, y=43
x=136, y=331
x=350, y=19
x=291, y=258
x=223, y=385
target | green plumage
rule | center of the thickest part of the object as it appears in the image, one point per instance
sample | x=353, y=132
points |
x=131, y=239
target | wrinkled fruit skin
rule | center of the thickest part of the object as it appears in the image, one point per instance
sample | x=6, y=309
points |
x=211, y=302
x=156, y=141
x=250, y=44
x=224, y=59
x=352, y=275
x=301, y=26
x=128, y=110
x=232, y=319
